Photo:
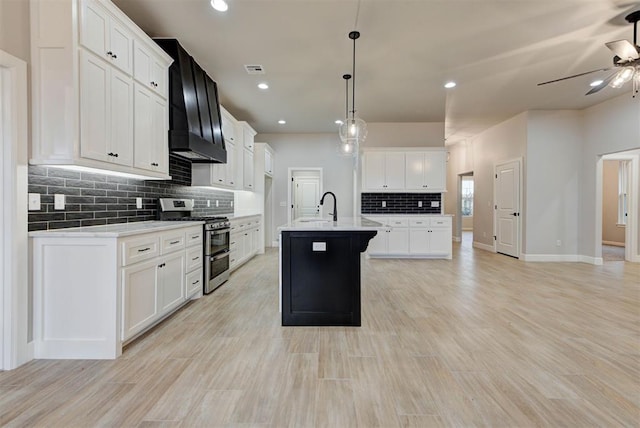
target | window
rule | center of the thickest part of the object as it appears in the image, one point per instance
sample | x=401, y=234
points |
x=623, y=185
x=467, y=196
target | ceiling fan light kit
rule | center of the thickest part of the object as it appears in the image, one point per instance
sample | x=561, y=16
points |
x=627, y=58
x=353, y=129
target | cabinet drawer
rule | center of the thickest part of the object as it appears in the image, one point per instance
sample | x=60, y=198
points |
x=420, y=222
x=398, y=222
x=441, y=222
x=234, y=241
x=172, y=241
x=139, y=249
x=193, y=282
x=194, y=237
x=194, y=258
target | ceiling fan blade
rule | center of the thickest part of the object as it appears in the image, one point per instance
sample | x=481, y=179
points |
x=575, y=75
x=623, y=49
x=604, y=83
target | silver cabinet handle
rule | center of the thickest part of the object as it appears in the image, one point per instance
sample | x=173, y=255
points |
x=144, y=249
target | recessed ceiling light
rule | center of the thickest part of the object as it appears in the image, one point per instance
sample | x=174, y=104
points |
x=263, y=85
x=219, y=5
x=450, y=85
x=596, y=82
x=339, y=122
x=282, y=122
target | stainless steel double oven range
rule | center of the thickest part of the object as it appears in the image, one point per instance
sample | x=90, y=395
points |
x=216, y=239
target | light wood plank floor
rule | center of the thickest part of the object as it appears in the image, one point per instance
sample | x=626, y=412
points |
x=482, y=340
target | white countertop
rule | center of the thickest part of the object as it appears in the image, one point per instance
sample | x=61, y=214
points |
x=113, y=230
x=242, y=215
x=327, y=225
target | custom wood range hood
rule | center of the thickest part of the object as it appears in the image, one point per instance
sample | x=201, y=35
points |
x=195, y=131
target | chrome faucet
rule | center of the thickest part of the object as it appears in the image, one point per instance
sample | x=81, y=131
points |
x=335, y=205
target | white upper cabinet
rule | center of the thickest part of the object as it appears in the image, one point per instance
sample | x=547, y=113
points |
x=426, y=171
x=105, y=35
x=248, y=136
x=106, y=112
x=406, y=171
x=268, y=162
x=248, y=175
x=148, y=69
x=383, y=171
x=229, y=126
x=86, y=109
x=151, y=143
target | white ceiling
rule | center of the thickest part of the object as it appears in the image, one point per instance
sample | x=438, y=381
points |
x=496, y=50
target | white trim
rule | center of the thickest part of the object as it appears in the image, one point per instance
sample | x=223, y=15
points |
x=562, y=258
x=13, y=147
x=485, y=247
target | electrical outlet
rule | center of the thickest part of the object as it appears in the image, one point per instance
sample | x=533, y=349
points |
x=58, y=202
x=419, y=204
x=435, y=204
x=285, y=204
x=384, y=204
x=217, y=203
x=34, y=201
x=208, y=203
x=139, y=203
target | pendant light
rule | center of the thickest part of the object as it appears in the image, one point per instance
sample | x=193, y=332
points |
x=347, y=146
x=354, y=130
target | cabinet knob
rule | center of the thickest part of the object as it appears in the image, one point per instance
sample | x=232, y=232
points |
x=154, y=164
x=109, y=53
x=114, y=56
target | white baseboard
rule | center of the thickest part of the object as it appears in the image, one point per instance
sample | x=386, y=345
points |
x=482, y=246
x=614, y=243
x=562, y=258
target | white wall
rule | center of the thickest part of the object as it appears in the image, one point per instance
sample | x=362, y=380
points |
x=554, y=142
x=610, y=127
x=311, y=151
x=15, y=28
x=503, y=142
x=411, y=134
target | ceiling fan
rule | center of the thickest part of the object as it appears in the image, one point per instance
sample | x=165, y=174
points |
x=626, y=62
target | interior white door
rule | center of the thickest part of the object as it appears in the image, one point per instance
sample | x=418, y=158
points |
x=307, y=197
x=508, y=208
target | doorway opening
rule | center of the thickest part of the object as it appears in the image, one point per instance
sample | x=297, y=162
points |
x=619, y=206
x=304, y=193
x=465, y=208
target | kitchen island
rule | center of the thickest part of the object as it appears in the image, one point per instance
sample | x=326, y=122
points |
x=320, y=270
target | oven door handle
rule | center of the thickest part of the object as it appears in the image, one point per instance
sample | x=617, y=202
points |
x=220, y=256
x=219, y=231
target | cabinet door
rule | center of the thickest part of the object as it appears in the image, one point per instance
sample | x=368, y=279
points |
x=248, y=135
x=194, y=282
x=374, y=178
x=419, y=241
x=143, y=135
x=172, y=275
x=94, y=28
x=94, y=107
x=120, y=46
x=228, y=127
x=248, y=170
x=268, y=162
x=414, y=171
x=230, y=169
x=121, y=118
x=160, y=135
x=378, y=244
x=435, y=170
x=139, y=297
x=440, y=241
x=394, y=171
x=159, y=78
x=398, y=241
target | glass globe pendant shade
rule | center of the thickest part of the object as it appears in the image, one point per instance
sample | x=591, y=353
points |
x=353, y=128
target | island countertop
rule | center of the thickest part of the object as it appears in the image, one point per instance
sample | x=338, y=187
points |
x=327, y=225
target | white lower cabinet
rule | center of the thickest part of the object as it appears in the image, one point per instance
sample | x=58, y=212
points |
x=94, y=291
x=412, y=236
x=244, y=240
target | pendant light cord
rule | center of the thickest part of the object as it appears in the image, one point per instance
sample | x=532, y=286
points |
x=353, y=85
